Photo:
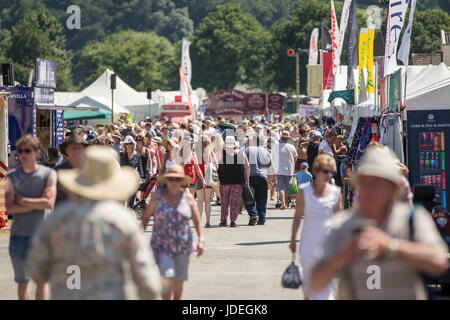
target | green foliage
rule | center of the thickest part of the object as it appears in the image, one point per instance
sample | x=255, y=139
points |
x=39, y=35
x=141, y=59
x=229, y=48
x=426, y=32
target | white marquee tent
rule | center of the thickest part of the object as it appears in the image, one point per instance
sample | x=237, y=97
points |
x=429, y=89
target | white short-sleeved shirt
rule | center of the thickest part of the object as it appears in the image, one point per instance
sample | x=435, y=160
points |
x=284, y=155
x=325, y=147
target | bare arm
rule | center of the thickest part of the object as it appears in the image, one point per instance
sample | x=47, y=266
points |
x=246, y=169
x=300, y=204
x=10, y=200
x=47, y=200
x=198, y=224
x=149, y=211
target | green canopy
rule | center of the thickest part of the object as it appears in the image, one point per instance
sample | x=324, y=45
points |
x=86, y=114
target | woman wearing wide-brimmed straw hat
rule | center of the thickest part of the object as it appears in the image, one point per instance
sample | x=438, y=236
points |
x=93, y=230
x=172, y=240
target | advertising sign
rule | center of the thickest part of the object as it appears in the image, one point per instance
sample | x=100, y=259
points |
x=428, y=150
x=275, y=104
x=257, y=103
x=44, y=96
x=58, y=127
x=45, y=73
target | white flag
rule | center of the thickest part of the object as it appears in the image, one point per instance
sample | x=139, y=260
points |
x=396, y=19
x=186, y=64
x=405, y=46
x=344, y=21
x=313, y=52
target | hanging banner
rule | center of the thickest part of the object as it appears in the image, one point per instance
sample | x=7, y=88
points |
x=369, y=55
x=45, y=73
x=313, y=52
x=352, y=45
x=275, y=104
x=185, y=86
x=327, y=43
x=314, y=87
x=235, y=102
x=428, y=150
x=396, y=19
x=327, y=75
x=186, y=65
x=334, y=38
x=403, y=51
x=362, y=53
x=3, y=138
x=383, y=94
x=395, y=91
x=346, y=8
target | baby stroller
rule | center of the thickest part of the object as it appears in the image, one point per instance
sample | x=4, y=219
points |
x=140, y=207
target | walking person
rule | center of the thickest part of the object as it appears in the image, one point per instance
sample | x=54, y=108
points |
x=402, y=242
x=234, y=172
x=188, y=158
x=272, y=178
x=172, y=241
x=204, y=193
x=93, y=233
x=284, y=155
x=30, y=191
x=317, y=201
x=131, y=159
x=260, y=161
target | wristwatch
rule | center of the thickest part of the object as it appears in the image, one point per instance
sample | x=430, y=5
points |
x=393, y=247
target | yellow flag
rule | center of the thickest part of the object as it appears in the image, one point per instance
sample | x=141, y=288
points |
x=363, y=38
x=370, y=70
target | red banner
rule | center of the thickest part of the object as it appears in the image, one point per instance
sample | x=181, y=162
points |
x=275, y=104
x=327, y=77
x=235, y=102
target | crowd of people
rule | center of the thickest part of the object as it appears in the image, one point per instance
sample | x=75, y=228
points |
x=175, y=172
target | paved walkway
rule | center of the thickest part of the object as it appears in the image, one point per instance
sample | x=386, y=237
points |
x=238, y=263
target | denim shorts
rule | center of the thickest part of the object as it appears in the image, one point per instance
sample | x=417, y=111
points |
x=284, y=183
x=18, y=251
x=173, y=267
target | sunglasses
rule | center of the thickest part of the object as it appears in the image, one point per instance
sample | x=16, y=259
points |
x=139, y=140
x=175, y=179
x=328, y=171
x=129, y=144
x=20, y=151
x=109, y=142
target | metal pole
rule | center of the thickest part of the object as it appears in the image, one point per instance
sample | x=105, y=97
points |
x=112, y=105
x=297, y=78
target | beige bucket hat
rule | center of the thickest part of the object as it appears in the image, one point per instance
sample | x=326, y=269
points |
x=175, y=171
x=100, y=177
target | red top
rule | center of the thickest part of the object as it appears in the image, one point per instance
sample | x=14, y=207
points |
x=189, y=170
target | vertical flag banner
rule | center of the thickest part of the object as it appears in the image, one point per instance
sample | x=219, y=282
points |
x=352, y=45
x=346, y=9
x=3, y=159
x=313, y=52
x=327, y=77
x=363, y=37
x=3, y=137
x=334, y=37
x=186, y=64
x=383, y=94
x=396, y=19
x=403, y=51
x=362, y=95
x=369, y=55
x=327, y=43
x=395, y=91
x=185, y=86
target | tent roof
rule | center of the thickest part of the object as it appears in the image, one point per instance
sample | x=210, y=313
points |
x=430, y=89
x=71, y=115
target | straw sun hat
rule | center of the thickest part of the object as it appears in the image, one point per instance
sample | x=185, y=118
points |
x=175, y=171
x=99, y=177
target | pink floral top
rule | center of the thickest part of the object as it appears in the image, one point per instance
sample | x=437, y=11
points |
x=171, y=233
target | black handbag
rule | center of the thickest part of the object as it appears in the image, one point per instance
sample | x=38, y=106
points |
x=248, y=195
x=291, y=278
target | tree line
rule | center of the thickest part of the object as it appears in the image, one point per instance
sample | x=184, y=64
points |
x=233, y=42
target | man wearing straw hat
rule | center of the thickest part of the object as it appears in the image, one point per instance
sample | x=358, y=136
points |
x=380, y=249
x=83, y=246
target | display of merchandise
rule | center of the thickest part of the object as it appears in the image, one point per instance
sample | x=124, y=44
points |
x=432, y=161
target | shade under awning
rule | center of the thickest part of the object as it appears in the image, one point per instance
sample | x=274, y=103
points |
x=70, y=115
